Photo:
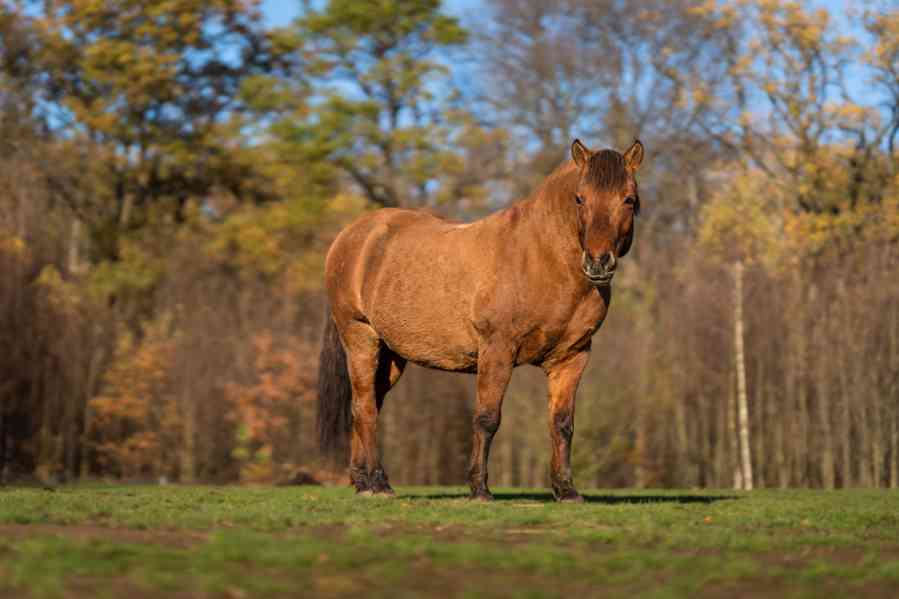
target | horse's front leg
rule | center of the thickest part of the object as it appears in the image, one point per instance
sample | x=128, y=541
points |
x=494, y=372
x=563, y=380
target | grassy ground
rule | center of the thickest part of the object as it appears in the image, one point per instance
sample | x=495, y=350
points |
x=324, y=542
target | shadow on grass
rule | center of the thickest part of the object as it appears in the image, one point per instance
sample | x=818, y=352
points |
x=589, y=498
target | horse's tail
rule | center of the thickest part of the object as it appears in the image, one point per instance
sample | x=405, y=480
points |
x=335, y=416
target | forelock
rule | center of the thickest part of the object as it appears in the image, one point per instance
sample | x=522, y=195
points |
x=606, y=170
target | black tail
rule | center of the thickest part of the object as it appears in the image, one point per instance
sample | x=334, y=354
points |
x=335, y=416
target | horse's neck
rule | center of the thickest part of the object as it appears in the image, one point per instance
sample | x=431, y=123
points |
x=551, y=216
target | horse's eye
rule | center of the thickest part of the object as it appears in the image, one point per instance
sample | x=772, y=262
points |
x=630, y=200
x=578, y=199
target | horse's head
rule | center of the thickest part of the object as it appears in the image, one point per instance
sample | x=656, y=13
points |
x=607, y=202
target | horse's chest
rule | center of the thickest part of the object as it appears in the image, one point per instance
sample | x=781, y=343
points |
x=566, y=332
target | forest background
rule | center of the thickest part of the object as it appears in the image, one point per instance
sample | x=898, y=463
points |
x=172, y=171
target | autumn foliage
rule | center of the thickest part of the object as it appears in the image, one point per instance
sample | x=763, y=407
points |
x=265, y=412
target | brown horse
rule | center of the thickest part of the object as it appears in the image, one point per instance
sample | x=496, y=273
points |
x=528, y=285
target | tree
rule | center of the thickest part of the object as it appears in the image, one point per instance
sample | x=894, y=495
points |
x=377, y=114
x=739, y=227
x=149, y=96
x=786, y=99
x=883, y=57
x=552, y=71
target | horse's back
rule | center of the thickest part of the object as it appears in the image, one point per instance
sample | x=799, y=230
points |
x=408, y=274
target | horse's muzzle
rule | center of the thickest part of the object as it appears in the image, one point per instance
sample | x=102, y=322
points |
x=599, y=271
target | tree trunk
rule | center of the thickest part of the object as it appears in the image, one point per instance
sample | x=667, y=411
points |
x=127, y=205
x=21, y=217
x=742, y=402
x=686, y=477
x=802, y=411
x=824, y=404
x=842, y=369
x=876, y=443
x=827, y=461
x=846, y=428
x=723, y=474
x=75, y=247
x=641, y=447
x=95, y=371
x=864, y=445
x=760, y=458
x=894, y=447
x=734, y=440
x=783, y=468
x=188, y=430
x=2, y=442
x=893, y=361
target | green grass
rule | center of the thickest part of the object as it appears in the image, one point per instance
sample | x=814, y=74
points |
x=324, y=542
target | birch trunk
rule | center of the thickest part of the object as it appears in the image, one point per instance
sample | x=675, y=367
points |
x=734, y=440
x=742, y=402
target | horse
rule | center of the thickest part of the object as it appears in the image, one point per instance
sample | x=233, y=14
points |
x=530, y=284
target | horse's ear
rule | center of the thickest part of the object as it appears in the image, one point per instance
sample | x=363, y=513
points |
x=579, y=153
x=633, y=158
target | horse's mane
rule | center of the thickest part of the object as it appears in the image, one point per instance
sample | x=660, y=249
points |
x=606, y=170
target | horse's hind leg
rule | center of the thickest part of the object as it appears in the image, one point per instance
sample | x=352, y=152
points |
x=390, y=368
x=368, y=378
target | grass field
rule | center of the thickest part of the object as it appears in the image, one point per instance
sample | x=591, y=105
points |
x=118, y=541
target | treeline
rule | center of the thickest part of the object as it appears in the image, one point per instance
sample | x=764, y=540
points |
x=171, y=174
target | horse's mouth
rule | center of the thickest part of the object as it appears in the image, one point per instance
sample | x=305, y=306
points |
x=602, y=280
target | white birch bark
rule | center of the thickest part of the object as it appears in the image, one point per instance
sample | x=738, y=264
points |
x=742, y=403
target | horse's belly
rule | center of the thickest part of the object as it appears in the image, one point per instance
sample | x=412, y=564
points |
x=425, y=322
x=429, y=344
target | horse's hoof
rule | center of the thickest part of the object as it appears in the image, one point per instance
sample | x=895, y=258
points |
x=564, y=492
x=481, y=496
x=379, y=484
x=574, y=497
